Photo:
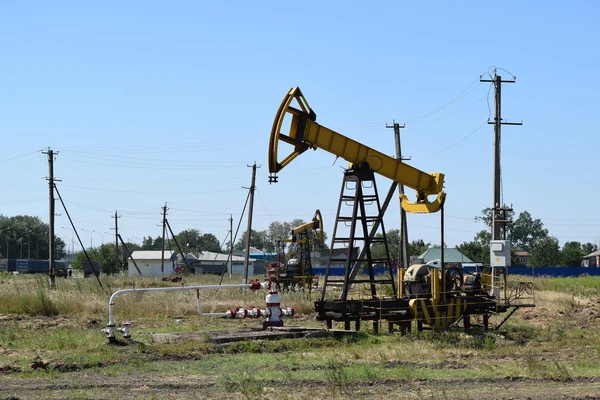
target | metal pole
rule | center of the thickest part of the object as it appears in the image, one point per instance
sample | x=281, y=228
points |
x=51, y=241
x=247, y=255
x=116, y=217
x=162, y=258
x=230, y=244
x=443, y=283
x=29, y=245
x=497, y=145
x=497, y=81
x=403, y=256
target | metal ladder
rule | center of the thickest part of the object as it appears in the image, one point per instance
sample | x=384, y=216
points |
x=359, y=190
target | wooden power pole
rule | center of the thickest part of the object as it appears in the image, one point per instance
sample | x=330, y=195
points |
x=249, y=233
x=497, y=219
x=230, y=266
x=403, y=256
x=51, y=241
x=116, y=217
x=164, y=227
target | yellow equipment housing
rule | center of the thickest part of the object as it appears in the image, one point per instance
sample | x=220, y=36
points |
x=305, y=133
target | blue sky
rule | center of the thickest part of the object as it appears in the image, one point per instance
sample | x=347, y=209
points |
x=152, y=102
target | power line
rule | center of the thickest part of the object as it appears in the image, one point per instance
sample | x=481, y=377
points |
x=162, y=147
x=456, y=143
x=462, y=94
x=21, y=155
x=140, y=192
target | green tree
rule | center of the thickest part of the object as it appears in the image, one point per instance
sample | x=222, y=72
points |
x=320, y=246
x=157, y=244
x=26, y=236
x=257, y=240
x=417, y=247
x=148, y=243
x=477, y=249
x=589, y=248
x=279, y=231
x=393, y=239
x=572, y=254
x=209, y=242
x=545, y=252
x=105, y=255
x=525, y=232
x=486, y=217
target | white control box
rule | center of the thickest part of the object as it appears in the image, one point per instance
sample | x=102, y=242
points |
x=500, y=253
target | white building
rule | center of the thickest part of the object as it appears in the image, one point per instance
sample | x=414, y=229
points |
x=150, y=263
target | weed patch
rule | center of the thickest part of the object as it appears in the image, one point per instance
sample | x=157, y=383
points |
x=243, y=382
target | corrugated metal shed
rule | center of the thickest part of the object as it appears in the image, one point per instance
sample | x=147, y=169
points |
x=451, y=255
x=210, y=256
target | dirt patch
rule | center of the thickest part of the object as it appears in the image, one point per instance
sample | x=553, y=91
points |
x=590, y=309
x=190, y=387
x=7, y=369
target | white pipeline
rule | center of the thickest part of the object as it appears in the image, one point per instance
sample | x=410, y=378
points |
x=110, y=328
x=240, y=312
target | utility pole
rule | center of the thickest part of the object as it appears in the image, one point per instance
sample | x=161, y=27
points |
x=249, y=233
x=51, y=248
x=164, y=226
x=230, y=244
x=497, y=223
x=116, y=217
x=403, y=256
x=186, y=243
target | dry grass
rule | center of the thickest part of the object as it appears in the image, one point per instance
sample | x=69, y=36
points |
x=30, y=295
x=556, y=342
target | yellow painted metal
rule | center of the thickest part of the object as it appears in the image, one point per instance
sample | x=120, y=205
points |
x=401, y=272
x=305, y=133
x=316, y=224
x=436, y=285
x=436, y=315
x=486, y=278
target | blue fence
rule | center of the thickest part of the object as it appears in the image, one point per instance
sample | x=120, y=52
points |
x=555, y=271
x=527, y=271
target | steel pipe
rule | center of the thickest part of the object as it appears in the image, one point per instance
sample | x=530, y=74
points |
x=110, y=328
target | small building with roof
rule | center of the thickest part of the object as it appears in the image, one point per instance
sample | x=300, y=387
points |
x=591, y=260
x=150, y=263
x=209, y=262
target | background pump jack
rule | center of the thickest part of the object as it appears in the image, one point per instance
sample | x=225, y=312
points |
x=297, y=272
x=418, y=295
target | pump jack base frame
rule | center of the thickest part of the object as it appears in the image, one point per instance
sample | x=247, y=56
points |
x=396, y=311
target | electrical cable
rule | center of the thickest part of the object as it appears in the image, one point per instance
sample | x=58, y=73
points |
x=462, y=94
x=235, y=237
x=19, y=156
x=451, y=146
x=162, y=147
x=139, y=192
x=20, y=183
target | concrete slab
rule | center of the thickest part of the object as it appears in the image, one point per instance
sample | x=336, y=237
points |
x=273, y=333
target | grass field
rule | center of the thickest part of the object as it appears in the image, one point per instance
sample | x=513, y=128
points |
x=51, y=347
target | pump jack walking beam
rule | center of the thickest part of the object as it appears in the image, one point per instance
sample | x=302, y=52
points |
x=305, y=133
